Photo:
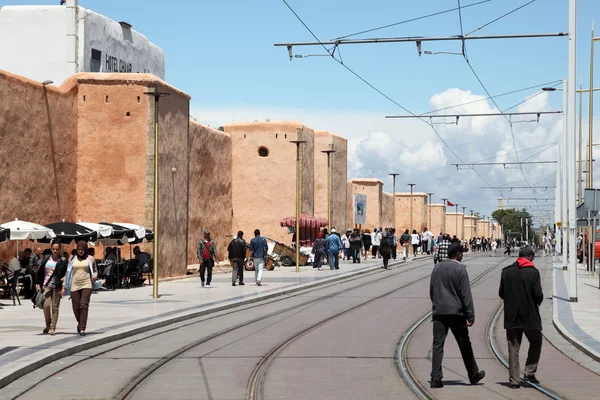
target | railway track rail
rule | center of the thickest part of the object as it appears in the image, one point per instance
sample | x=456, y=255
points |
x=418, y=388
x=127, y=391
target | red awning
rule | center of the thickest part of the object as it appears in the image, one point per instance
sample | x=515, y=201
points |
x=306, y=221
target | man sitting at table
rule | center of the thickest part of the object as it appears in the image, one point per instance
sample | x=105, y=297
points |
x=16, y=265
x=143, y=258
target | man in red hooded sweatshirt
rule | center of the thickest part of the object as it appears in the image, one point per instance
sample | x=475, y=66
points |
x=521, y=289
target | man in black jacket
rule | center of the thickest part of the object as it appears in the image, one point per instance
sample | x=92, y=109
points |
x=521, y=289
x=237, y=255
x=453, y=309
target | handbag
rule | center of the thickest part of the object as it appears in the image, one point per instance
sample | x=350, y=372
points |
x=38, y=299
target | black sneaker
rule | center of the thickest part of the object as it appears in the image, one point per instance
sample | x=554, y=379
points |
x=531, y=379
x=480, y=375
x=514, y=386
x=242, y=283
x=435, y=384
x=233, y=284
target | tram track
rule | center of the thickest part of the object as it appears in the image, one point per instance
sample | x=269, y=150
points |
x=494, y=348
x=413, y=382
x=131, y=386
x=403, y=365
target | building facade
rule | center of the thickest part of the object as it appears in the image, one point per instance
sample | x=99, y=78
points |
x=55, y=42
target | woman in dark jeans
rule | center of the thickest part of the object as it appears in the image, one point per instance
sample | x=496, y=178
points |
x=385, y=250
x=366, y=239
x=79, y=282
x=49, y=277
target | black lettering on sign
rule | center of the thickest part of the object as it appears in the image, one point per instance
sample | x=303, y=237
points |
x=114, y=64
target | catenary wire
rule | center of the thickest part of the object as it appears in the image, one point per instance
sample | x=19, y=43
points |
x=409, y=20
x=500, y=17
x=520, y=151
x=495, y=97
x=529, y=98
x=381, y=92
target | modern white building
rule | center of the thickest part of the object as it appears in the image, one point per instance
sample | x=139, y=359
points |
x=54, y=42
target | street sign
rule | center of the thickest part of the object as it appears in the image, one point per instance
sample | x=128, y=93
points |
x=559, y=224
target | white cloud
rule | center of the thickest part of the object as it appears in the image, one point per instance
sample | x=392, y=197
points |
x=378, y=146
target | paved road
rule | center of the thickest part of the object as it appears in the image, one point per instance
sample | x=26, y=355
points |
x=334, y=342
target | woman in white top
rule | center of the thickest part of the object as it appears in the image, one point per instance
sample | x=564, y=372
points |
x=414, y=240
x=376, y=242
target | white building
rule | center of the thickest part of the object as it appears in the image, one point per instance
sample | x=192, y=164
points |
x=55, y=42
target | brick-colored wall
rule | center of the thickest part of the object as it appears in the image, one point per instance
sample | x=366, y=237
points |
x=451, y=222
x=438, y=217
x=387, y=210
x=264, y=188
x=470, y=227
x=38, y=142
x=115, y=159
x=210, y=190
x=419, y=207
x=373, y=188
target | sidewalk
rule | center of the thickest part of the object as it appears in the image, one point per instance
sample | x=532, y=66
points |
x=578, y=322
x=122, y=313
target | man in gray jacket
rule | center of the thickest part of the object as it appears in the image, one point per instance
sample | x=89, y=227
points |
x=453, y=309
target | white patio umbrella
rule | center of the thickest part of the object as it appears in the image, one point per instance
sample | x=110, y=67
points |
x=140, y=232
x=103, y=230
x=23, y=230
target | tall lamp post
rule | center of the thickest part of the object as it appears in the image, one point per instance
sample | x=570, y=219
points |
x=329, y=169
x=456, y=205
x=429, y=223
x=411, y=205
x=445, y=200
x=394, y=175
x=298, y=200
x=157, y=95
x=463, y=227
x=590, y=174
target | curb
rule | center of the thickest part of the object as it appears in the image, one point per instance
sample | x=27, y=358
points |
x=14, y=375
x=580, y=346
x=563, y=331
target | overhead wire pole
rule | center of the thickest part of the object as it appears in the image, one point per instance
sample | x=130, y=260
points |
x=571, y=155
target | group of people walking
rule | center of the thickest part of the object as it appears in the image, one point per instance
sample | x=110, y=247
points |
x=453, y=309
x=58, y=277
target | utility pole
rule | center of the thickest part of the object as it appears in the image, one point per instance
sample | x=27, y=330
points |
x=155, y=244
x=444, y=221
x=463, y=225
x=456, y=205
x=572, y=154
x=298, y=196
x=411, y=206
x=394, y=175
x=329, y=171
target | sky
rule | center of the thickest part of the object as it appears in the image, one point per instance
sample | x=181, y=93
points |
x=222, y=54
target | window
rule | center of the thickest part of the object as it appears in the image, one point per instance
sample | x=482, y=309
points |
x=96, y=62
x=263, y=151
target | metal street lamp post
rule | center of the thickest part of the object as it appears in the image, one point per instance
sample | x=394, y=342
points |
x=298, y=200
x=429, y=221
x=463, y=224
x=155, y=243
x=394, y=175
x=456, y=205
x=411, y=205
x=329, y=172
x=444, y=222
